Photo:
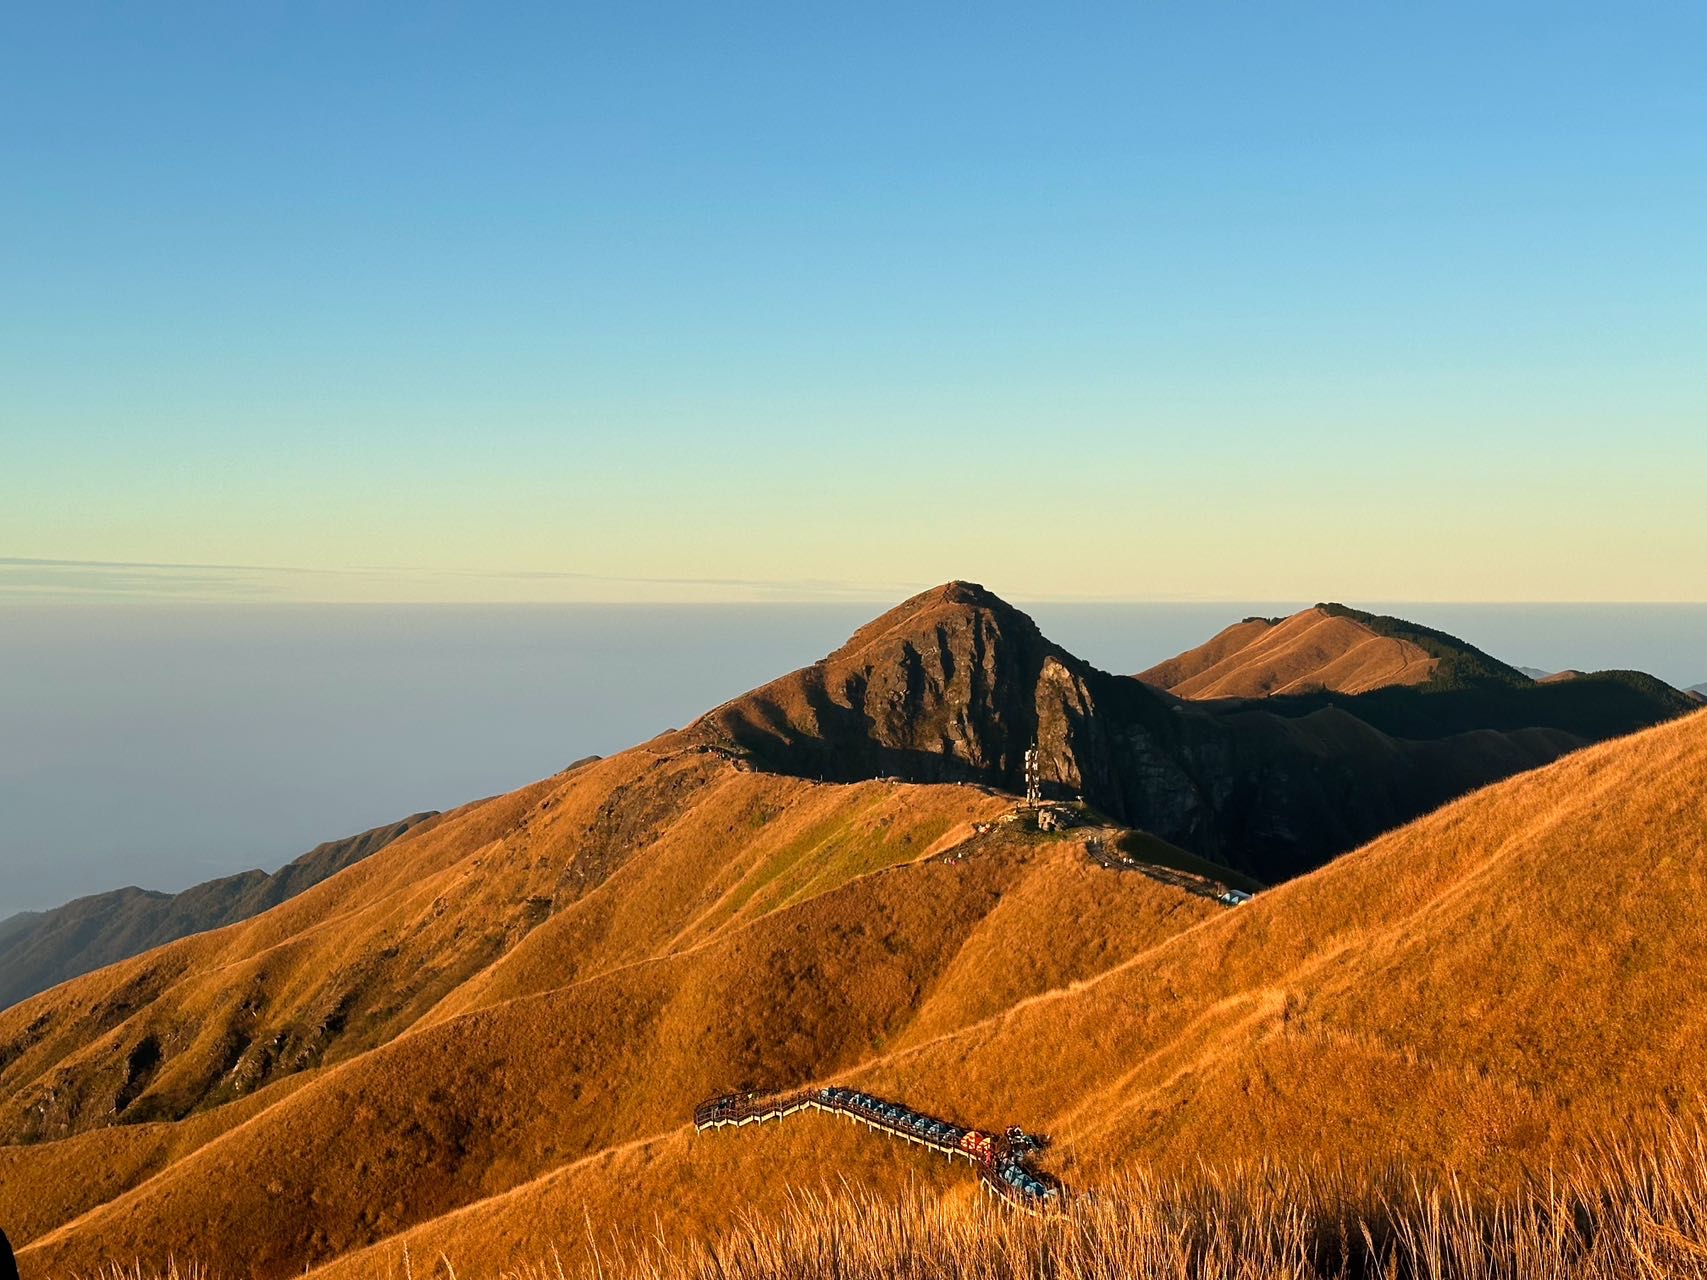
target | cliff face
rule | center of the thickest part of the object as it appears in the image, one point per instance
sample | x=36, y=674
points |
x=40, y=949
x=955, y=684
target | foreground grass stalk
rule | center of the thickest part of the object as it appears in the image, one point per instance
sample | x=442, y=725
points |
x=1630, y=1212
x=1624, y=1213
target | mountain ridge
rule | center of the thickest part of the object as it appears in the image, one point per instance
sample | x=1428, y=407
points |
x=1316, y=648
x=1328, y=648
x=40, y=949
x=500, y=1021
x=1319, y=1005
x=954, y=684
x=1275, y=1009
x=1458, y=661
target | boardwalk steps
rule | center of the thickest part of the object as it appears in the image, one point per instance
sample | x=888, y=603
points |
x=1201, y=886
x=1003, y=1161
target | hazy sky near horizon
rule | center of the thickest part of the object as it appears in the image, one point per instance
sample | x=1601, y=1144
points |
x=687, y=302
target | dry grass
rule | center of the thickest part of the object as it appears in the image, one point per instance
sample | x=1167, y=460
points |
x=1484, y=991
x=1310, y=650
x=1622, y=1213
x=469, y=1041
x=1631, y=1212
x=603, y=1024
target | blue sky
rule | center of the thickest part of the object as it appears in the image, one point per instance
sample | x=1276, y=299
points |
x=1215, y=301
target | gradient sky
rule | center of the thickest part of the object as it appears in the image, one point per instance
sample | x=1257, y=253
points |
x=642, y=301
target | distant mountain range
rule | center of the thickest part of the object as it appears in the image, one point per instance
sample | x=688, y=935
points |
x=493, y=1031
x=39, y=949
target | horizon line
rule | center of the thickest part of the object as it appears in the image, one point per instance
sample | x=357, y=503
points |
x=63, y=581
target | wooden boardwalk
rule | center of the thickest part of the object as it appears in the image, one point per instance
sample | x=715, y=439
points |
x=1003, y=1161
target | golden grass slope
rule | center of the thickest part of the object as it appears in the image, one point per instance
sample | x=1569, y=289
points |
x=1480, y=990
x=711, y=927
x=1310, y=650
x=493, y=1030
x=1635, y=1211
x=1496, y=987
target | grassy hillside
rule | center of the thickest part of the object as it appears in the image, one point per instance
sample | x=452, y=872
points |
x=1495, y=989
x=1629, y=1211
x=1591, y=706
x=738, y=929
x=493, y=1030
x=1325, y=648
x=1406, y=1004
x=1406, y=680
x=1458, y=664
x=1478, y=990
x=41, y=948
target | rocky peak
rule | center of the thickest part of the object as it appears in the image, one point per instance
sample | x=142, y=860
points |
x=951, y=685
x=951, y=604
x=955, y=684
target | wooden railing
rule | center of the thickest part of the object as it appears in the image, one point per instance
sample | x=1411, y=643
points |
x=1003, y=1161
